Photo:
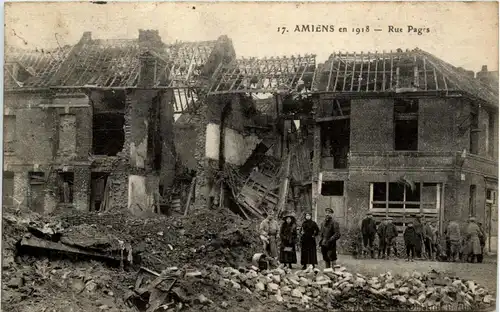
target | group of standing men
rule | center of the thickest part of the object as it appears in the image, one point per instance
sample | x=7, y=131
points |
x=422, y=240
x=287, y=235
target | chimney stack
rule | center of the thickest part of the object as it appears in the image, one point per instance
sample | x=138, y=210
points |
x=484, y=68
x=86, y=37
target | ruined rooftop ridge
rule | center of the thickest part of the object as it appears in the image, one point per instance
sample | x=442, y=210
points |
x=338, y=74
x=265, y=75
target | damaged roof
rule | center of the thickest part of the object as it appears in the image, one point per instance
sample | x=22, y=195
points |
x=400, y=71
x=265, y=75
x=30, y=69
x=107, y=63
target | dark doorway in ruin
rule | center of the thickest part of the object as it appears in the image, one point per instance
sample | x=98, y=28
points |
x=99, y=191
x=8, y=188
x=66, y=181
x=36, y=191
x=108, y=135
x=332, y=188
x=335, y=143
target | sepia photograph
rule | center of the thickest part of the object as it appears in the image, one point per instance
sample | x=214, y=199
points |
x=250, y=156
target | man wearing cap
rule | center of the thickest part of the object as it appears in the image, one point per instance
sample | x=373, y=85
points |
x=390, y=237
x=368, y=231
x=473, y=244
x=329, y=233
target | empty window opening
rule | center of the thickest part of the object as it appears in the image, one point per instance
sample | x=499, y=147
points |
x=474, y=131
x=406, y=125
x=36, y=191
x=66, y=182
x=401, y=195
x=8, y=188
x=108, y=135
x=332, y=188
x=472, y=200
x=405, y=200
x=335, y=142
x=99, y=191
x=9, y=130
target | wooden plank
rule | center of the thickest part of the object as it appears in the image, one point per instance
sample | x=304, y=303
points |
x=383, y=77
x=337, y=75
x=360, y=73
x=345, y=74
x=340, y=108
x=425, y=73
x=376, y=71
x=368, y=73
x=397, y=77
x=435, y=78
x=445, y=84
x=190, y=196
x=330, y=73
x=353, y=71
x=332, y=118
x=392, y=68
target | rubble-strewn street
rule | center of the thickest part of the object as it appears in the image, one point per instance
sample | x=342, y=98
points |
x=151, y=166
x=217, y=276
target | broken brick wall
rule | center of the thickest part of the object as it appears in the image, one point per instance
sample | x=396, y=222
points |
x=51, y=130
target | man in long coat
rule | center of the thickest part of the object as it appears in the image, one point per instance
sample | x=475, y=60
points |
x=390, y=234
x=419, y=230
x=472, y=234
x=268, y=229
x=309, y=231
x=368, y=231
x=329, y=233
x=453, y=237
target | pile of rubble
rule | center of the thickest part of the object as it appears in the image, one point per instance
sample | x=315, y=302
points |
x=338, y=288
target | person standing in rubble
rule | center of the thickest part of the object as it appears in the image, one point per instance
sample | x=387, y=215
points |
x=330, y=233
x=419, y=230
x=453, y=238
x=288, y=236
x=309, y=231
x=268, y=229
x=368, y=231
x=482, y=241
x=473, y=243
x=428, y=235
x=410, y=237
x=435, y=241
x=381, y=239
x=390, y=238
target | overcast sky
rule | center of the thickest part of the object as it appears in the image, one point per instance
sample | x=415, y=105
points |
x=464, y=34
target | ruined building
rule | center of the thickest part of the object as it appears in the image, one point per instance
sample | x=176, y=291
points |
x=90, y=126
x=403, y=134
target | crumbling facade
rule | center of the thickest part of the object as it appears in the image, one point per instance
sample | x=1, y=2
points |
x=402, y=134
x=90, y=126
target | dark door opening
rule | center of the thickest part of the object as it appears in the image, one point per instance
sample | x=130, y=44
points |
x=99, y=191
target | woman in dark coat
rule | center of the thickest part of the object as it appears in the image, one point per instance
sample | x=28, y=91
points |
x=288, y=236
x=308, y=253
